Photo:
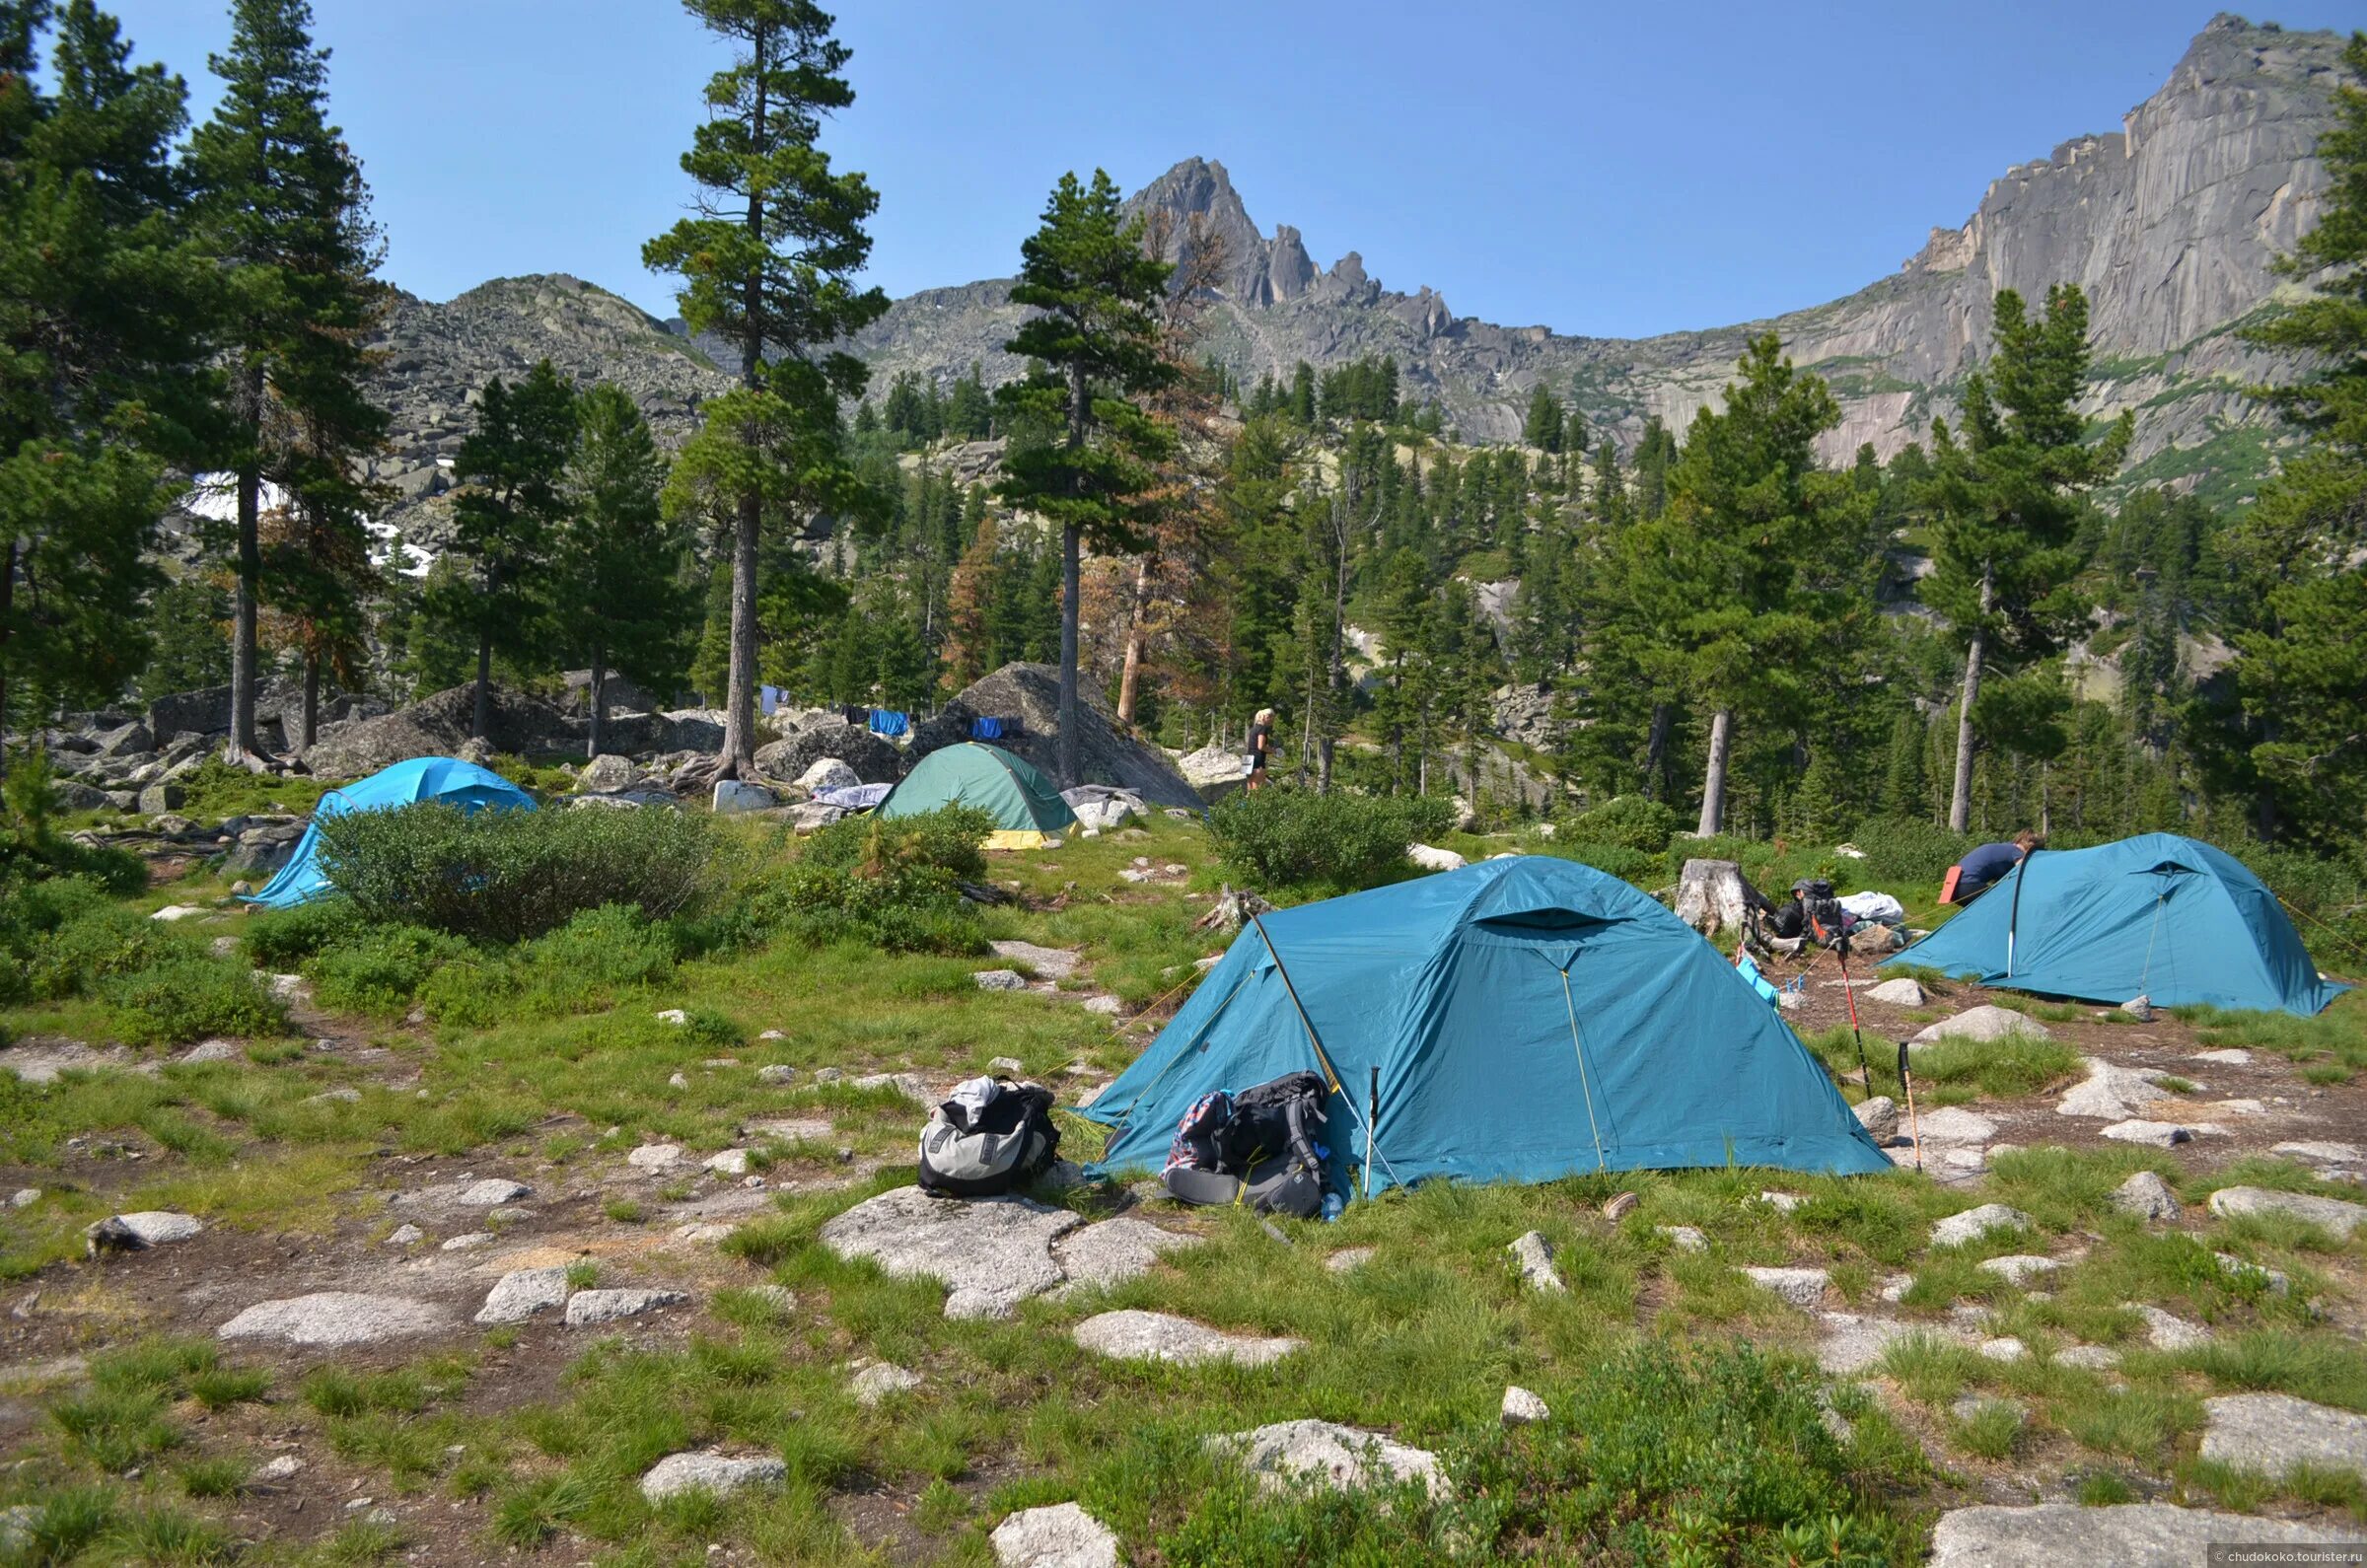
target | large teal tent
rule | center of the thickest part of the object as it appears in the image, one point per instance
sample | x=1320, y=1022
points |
x=1025, y=805
x=2156, y=915
x=422, y=778
x=1530, y=1018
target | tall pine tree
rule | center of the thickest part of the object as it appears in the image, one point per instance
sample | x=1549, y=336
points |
x=622, y=604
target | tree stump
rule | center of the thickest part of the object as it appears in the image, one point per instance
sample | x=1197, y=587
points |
x=1711, y=896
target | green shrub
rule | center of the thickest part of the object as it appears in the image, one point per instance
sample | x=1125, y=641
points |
x=1285, y=838
x=2327, y=898
x=892, y=885
x=188, y=997
x=613, y=945
x=378, y=970
x=1628, y=820
x=282, y=939
x=1616, y=859
x=505, y=875
x=476, y=992
x=950, y=838
x=1905, y=852
x=97, y=942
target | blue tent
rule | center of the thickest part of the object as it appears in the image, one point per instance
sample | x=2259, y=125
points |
x=1531, y=1018
x=422, y=778
x=2156, y=915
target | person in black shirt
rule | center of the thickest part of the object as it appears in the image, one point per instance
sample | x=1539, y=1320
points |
x=1261, y=739
x=1990, y=864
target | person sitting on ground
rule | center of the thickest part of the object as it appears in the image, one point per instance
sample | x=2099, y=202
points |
x=1261, y=739
x=1988, y=864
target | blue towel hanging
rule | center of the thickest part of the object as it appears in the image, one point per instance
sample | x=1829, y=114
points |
x=888, y=723
x=985, y=729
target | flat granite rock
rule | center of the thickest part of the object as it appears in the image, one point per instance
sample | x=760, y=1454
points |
x=336, y=1317
x=1049, y=964
x=1802, y=1287
x=2330, y=1153
x=139, y=1231
x=2113, y=1093
x=875, y=1381
x=522, y=1293
x=1062, y=1536
x=2330, y=1214
x=707, y=1471
x=2276, y=1434
x=1160, y=1336
x=1958, y=1229
x=2166, y=1330
x=1987, y=1024
x=2129, y=1536
x=589, y=1307
x=1952, y=1124
x=1853, y=1341
x=1115, y=1251
x=2020, y=1269
x=1330, y=1456
x=990, y=1254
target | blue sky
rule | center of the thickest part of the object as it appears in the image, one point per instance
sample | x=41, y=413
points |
x=1607, y=170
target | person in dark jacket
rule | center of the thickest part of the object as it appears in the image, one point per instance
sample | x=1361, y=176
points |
x=1990, y=864
x=1261, y=741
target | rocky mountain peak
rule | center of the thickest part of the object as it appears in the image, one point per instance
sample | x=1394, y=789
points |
x=1257, y=271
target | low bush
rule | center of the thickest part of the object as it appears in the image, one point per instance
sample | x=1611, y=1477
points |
x=1905, y=851
x=506, y=875
x=1616, y=859
x=99, y=944
x=895, y=885
x=613, y=945
x=187, y=997
x=1285, y=838
x=282, y=939
x=950, y=838
x=1629, y=821
x=378, y=970
x=30, y=847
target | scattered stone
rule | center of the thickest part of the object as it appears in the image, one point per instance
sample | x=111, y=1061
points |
x=1049, y=964
x=1958, y=1229
x=702, y=1234
x=1900, y=992
x=1620, y=1206
x=1349, y=1259
x=2274, y=1280
x=875, y=1381
x=731, y=1162
x=1105, y=1006
x=1000, y=980
x=522, y=1293
x=906, y=1083
x=2230, y=1058
x=1430, y=858
x=588, y=1306
x=2021, y=1267
x=1952, y=1124
x=278, y=1470
x=492, y=1192
x=1523, y=1409
x=1802, y=1287
x=2167, y=1332
x=2129, y=1536
x=336, y=1317
x=1895, y=1286
x=2152, y=1135
x=679, y=1081
x=1684, y=1238
x=2276, y=1434
x=1006, y=1066
x=468, y=1241
x=1115, y=1251
x=214, y=1051
x=2096, y=1358
x=679, y=1017
x=2004, y=1349
x=1852, y=1343
x=2113, y=1093
x=138, y=1231
x=991, y=1254
x=2330, y=1214
x=1987, y=1024
x=1969, y=1405
x=655, y=1156
x=708, y=1471
x=175, y=914
x=2139, y=1008
x=1533, y=1256
x=336, y=1097
x=1879, y=1116
x=1158, y=1337
x=788, y=1129
x=775, y=1073
x=1781, y=1202
x=405, y=1235
x=1062, y=1536
x=2147, y=1196
x=772, y=1033
x=1289, y=1453
x=2328, y=1153
x=774, y=1299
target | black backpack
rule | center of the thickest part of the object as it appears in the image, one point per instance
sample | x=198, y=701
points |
x=990, y=1137
x=1255, y=1147
x=1821, y=914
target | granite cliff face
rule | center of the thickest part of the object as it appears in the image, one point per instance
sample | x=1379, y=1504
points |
x=2171, y=223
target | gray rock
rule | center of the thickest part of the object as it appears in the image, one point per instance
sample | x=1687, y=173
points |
x=1781, y=1202
x=990, y=1254
x=1105, y=1006
x=1879, y=1116
x=2021, y=1268
x=522, y=1293
x=282, y=1468
x=1158, y=1337
x=1349, y=1259
x=2113, y=1093
x=1533, y=1256
x=608, y=774
x=1802, y=1287
x=907, y=1085
x=213, y=1050
x=1049, y=964
x=1061, y=1536
x=1523, y=1409
x=468, y=1241
x=1958, y=1229
x=405, y=1236
x=1954, y=1126
x=587, y=1308
x=336, y=1317
x=2231, y=1057
x=1291, y=1453
x=2129, y=1536
x=2273, y=1280
x=2147, y=1196
x=1853, y=1341
x=1000, y=980
x=2095, y=1358
x=1900, y=992
x=137, y=1232
x=2331, y=1215
x=2151, y=1134
x=1969, y=1405
x=708, y=1471
x=1684, y=1238
x=730, y=1162
x=1987, y=1024
x=492, y=1192
x=2139, y=1008
x=2326, y=1153
x=655, y=1156
x=2164, y=1332
x=2007, y=1349
x=2276, y=1434
x=1115, y=1251
x=158, y=798
x=877, y=1381
x=777, y=1073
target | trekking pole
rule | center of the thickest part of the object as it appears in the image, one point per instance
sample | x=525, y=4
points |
x=1865, y=1074
x=1372, y=1119
x=1914, y=1128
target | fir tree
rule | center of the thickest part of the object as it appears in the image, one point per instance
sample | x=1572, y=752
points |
x=768, y=265
x=622, y=604
x=1095, y=343
x=1543, y=428
x=190, y=622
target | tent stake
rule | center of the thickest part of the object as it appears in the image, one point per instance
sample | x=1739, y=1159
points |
x=1330, y=1073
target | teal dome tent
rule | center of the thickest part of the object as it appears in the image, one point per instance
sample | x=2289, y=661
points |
x=2157, y=916
x=1024, y=805
x=1528, y=1018
x=421, y=778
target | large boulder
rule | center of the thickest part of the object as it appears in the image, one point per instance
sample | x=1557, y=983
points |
x=204, y=710
x=1106, y=754
x=608, y=774
x=436, y=726
x=991, y=1254
x=575, y=695
x=1215, y=770
x=872, y=758
x=2129, y=1536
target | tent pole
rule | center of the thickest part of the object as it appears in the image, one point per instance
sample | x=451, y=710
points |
x=1372, y=1118
x=2013, y=912
x=1330, y=1073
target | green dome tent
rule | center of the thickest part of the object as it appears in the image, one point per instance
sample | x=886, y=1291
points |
x=1523, y=1020
x=1023, y=803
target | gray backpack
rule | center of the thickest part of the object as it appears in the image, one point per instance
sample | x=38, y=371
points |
x=989, y=1136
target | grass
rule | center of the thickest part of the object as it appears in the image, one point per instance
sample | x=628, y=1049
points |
x=2330, y=1048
